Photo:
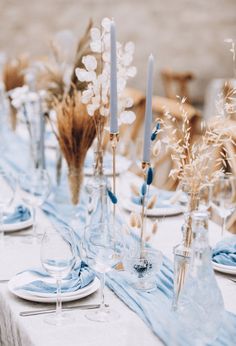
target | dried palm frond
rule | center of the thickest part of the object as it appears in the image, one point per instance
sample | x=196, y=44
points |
x=53, y=72
x=83, y=49
x=52, y=80
x=76, y=132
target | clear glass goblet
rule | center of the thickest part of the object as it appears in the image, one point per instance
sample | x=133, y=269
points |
x=7, y=193
x=103, y=249
x=224, y=197
x=35, y=188
x=58, y=257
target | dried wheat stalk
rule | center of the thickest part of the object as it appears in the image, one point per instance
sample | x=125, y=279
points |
x=76, y=132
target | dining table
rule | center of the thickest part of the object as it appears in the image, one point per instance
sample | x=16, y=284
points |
x=18, y=255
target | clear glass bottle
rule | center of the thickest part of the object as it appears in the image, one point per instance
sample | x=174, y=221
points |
x=182, y=255
x=96, y=189
x=200, y=304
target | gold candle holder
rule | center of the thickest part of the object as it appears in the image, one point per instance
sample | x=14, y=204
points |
x=114, y=139
x=145, y=166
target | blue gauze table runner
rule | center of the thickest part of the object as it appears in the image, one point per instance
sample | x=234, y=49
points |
x=154, y=308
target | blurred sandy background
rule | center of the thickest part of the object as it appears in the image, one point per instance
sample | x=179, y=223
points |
x=182, y=34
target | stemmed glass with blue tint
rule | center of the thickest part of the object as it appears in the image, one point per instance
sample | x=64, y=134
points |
x=7, y=193
x=103, y=247
x=58, y=256
x=224, y=197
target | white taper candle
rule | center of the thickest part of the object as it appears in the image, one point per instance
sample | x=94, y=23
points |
x=148, y=111
x=113, y=82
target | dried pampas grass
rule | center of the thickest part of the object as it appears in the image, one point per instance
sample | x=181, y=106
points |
x=83, y=49
x=52, y=74
x=13, y=72
x=76, y=132
x=13, y=77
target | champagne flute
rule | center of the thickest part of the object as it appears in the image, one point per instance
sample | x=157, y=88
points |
x=34, y=189
x=224, y=197
x=58, y=256
x=7, y=193
x=103, y=249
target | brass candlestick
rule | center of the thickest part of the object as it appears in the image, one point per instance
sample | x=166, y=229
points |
x=114, y=138
x=145, y=166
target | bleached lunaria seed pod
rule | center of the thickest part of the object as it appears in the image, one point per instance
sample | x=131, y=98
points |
x=156, y=148
x=152, y=201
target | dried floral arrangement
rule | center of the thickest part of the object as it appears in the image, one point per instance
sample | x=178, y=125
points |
x=95, y=74
x=76, y=132
x=195, y=164
x=13, y=77
x=57, y=74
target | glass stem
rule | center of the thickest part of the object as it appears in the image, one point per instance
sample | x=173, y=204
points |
x=59, y=304
x=223, y=226
x=102, y=282
x=34, y=222
x=1, y=226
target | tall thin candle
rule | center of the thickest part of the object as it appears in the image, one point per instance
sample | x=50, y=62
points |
x=113, y=83
x=148, y=111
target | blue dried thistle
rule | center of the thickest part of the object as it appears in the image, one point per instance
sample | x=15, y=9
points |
x=144, y=189
x=149, y=176
x=153, y=136
x=112, y=196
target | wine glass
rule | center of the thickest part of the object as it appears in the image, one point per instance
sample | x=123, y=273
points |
x=34, y=189
x=103, y=249
x=58, y=256
x=205, y=196
x=224, y=197
x=7, y=193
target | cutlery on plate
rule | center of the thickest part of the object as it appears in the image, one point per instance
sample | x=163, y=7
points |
x=51, y=310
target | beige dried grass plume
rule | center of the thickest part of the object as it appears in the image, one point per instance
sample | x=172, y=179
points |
x=76, y=132
x=13, y=77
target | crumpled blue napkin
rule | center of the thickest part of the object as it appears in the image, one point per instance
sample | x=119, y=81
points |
x=79, y=277
x=20, y=214
x=162, y=197
x=225, y=252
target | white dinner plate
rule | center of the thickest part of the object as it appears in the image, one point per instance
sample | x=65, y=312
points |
x=26, y=277
x=122, y=165
x=154, y=212
x=224, y=268
x=17, y=226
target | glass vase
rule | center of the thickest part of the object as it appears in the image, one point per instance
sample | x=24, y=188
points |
x=182, y=251
x=182, y=255
x=200, y=305
x=143, y=269
x=96, y=189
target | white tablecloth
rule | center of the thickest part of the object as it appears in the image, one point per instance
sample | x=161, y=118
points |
x=128, y=330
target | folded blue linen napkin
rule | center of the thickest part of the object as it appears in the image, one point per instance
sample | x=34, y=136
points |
x=20, y=214
x=79, y=277
x=225, y=252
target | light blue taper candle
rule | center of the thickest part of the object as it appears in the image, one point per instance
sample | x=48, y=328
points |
x=113, y=83
x=148, y=111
